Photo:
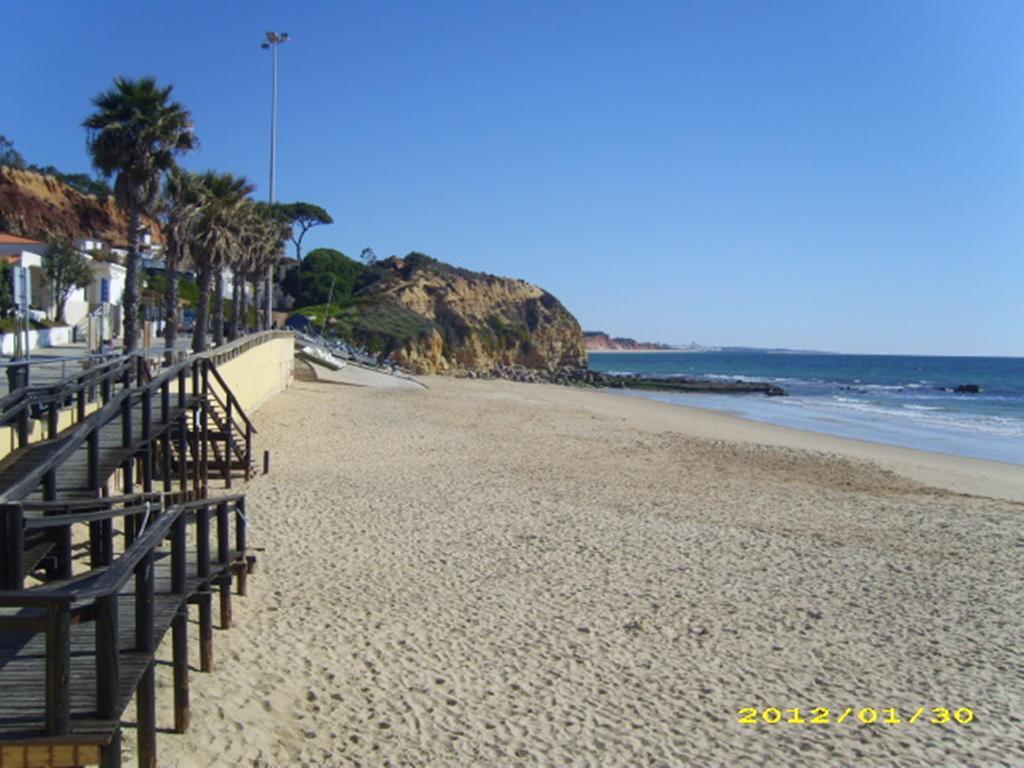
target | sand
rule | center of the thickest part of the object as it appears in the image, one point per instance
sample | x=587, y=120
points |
x=488, y=573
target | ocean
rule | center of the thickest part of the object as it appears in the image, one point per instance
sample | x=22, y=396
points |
x=894, y=399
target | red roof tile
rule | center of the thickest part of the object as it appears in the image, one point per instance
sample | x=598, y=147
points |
x=8, y=239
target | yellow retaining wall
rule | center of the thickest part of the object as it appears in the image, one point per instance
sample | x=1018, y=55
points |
x=37, y=428
x=260, y=372
x=255, y=376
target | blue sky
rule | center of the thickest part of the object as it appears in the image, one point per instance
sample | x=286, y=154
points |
x=831, y=175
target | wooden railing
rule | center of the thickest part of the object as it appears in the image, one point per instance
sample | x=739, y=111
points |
x=52, y=611
x=98, y=382
x=187, y=379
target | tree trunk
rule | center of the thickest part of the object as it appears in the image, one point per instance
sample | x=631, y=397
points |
x=218, y=308
x=171, y=308
x=243, y=307
x=203, y=309
x=233, y=328
x=257, y=306
x=268, y=301
x=131, y=286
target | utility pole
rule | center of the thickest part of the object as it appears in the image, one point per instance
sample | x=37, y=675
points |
x=327, y=308
x=273, y=40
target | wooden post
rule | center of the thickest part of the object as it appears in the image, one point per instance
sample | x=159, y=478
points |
x=128, y=472
x=147, y=437
x=240, y=525
x=110, y=754
x=106, y=541
x=107, y=656
x=165, y=402
x=126, y=422
x=205, y=441
x=63, y=552
x=179, y=641
x=229, y=441
x=58, y=670
x=144, y=642
x=266, y=462
x=224, y=590
x=131, y=529
x=144, y=586
x=197, y=446
x=223, y=534
x=81, y=401
x=12, y=546
x=203, y=541
x=205, y=600
x=23, y=426
x=181, y=388
x=223, y=557
x=248, y=452
x=168, y=474
x=178, y=555
x=94, y=460
x=50, y=485
x=183, y=454
x=53, y=417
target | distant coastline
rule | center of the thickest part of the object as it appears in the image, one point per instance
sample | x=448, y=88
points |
x=599, y=341
x=647, y=351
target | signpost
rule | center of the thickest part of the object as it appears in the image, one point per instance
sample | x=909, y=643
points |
x=22, y=299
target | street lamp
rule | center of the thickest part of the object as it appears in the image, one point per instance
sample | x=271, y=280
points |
x=274, y=39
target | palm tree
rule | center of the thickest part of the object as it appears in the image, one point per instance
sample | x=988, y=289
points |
x=183, y=205
x=241, y=266
x=264, y=235
x=135, y=134
x=218, y=239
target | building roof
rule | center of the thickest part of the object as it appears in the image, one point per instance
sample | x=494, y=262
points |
x=8, y=239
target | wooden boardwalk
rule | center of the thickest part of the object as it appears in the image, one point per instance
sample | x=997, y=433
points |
x=78, y=633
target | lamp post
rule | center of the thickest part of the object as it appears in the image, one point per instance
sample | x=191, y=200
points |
x=273, y=40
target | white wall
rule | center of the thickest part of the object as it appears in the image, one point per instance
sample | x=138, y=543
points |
x=47, y=337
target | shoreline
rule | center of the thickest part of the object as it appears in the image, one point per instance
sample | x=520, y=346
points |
x=945, y=471
x=737, y=413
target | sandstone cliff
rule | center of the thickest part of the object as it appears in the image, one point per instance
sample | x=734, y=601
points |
x=432, y=317
x=38, y=206
x=599, y=341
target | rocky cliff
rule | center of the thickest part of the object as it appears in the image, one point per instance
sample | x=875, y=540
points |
x=38, y=206
x=432, y=317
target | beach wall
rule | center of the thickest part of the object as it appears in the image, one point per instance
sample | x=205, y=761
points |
x=256, y=368
x=258, y=372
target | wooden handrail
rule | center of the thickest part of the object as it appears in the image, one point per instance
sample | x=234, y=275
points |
x=46, y=506
x=86, y=428
x=59, y=521
x=116, y=575
x=25, y=398
x=231, y=397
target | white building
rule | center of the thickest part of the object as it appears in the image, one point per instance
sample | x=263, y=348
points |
x=26, y=252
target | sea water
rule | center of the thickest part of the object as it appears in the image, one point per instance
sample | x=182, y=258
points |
x=894, y=399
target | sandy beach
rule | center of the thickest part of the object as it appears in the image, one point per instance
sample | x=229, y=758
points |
x=498, y=574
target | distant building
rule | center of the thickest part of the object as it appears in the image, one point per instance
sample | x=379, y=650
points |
x=26, y=252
